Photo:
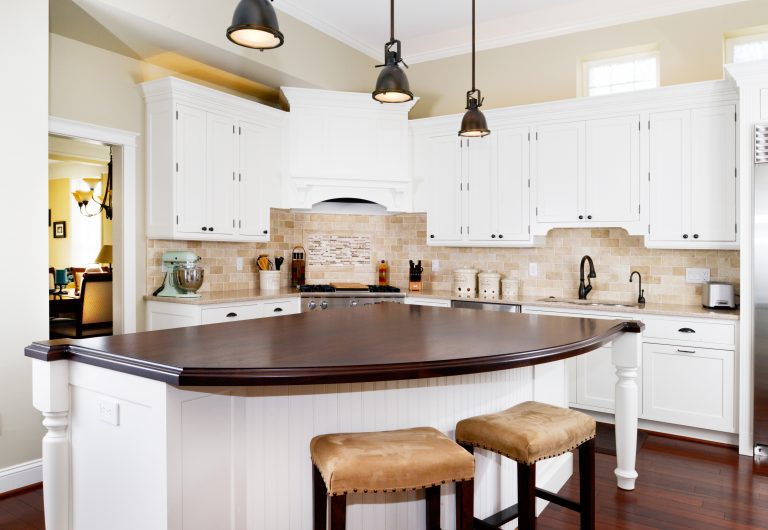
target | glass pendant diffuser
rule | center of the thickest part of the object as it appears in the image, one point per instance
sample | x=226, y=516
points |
x=392, y=85
x=474, y=124
x=254, y=25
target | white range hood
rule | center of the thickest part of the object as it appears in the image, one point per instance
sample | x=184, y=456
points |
x=346, y=145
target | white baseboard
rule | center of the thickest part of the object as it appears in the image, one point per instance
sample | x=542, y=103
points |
x=18, y=476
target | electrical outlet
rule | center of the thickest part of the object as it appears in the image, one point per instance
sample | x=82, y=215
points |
x=435, y=265
x=693, y=275
x=109, y=411
x=533, y=269
x=239, y=264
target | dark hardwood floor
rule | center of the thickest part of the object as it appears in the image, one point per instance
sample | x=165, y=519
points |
x=682, y=485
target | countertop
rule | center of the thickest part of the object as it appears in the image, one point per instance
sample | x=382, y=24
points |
x=249, y=295
x=383, y=342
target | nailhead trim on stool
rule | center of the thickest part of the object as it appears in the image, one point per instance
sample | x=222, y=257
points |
x=387, y=459
x=545, y=432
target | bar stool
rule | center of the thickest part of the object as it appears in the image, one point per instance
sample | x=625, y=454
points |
x=390, y=461
x=527, y=433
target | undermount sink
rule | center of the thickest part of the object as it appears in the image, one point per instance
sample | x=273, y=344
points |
x=576, y=301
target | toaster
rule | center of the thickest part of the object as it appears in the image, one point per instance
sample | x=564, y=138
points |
x=718, y=295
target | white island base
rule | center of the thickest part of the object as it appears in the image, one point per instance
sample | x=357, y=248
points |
x=126, y=452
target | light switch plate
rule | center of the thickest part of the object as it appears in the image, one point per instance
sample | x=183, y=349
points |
x=109, y=411
x=533, y=269
x=694, y=275
x=239, y=264
x=435, y=265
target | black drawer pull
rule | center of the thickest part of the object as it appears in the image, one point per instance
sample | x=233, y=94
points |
x=205, y=229
x=277, y=310
x=231, y=315
x=685, y=351
x=432, y=236
x=686, y=330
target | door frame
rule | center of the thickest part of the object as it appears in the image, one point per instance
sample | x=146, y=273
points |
x=124, y=213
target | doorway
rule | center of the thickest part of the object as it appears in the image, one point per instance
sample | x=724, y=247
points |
x=122, y=145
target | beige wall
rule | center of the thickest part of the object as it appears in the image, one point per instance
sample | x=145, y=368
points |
x=398, y=238
x=59, y=255
x=23, y=150
x=690, y=47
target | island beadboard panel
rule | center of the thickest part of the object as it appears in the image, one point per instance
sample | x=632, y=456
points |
x=398, y=238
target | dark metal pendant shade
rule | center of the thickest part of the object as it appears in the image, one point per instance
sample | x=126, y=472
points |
x=254, y=25
x=474, y=124
x=392, y=85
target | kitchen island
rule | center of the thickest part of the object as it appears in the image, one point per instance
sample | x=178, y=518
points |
x=209, y=426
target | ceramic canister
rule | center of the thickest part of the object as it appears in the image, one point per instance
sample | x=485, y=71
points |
x=489, y=286
x=269, y=280
x=465, y=283
x=510, y=289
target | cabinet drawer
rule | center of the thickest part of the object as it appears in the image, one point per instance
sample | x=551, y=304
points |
x=690, y=331
x=689, y=386
x=277, y=308
x=215, y=315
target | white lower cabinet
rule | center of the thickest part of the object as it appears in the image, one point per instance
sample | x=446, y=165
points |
x=167, y=315
x=689, y=386
x=595, y=379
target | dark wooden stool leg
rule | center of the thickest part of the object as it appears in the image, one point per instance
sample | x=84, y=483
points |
x=587, y=484
x=319, y=500
x=465, y=504
x=432, y=496
x=526, y=497
x=339, y=512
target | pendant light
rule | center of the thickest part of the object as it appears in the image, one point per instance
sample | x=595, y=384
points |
x=254, y=25
x=473, y=124
x=392, y=85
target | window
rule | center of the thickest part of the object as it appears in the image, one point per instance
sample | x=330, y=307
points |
x=621, y=74
x=747, y=48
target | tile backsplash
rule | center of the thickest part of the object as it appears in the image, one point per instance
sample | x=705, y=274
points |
x=398, y=238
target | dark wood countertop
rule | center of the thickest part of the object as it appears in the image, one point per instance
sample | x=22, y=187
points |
x=372, y=343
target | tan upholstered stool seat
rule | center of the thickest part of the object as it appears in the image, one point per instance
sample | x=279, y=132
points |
x=389, y=461
x=527, y=432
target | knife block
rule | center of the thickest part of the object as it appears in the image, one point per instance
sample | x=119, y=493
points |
x=415, y=286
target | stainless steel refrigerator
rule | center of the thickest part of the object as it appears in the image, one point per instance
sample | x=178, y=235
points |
x=760, y=292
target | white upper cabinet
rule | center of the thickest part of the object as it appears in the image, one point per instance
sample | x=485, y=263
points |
x=213, y=163
x=345, y=144
x=478, y=188
x=693, y=178
x=587, y=173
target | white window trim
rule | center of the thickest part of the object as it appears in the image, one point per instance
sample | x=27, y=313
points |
x=587, y=63
x=730, y=42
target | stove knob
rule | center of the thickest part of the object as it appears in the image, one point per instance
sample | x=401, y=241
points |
x=353, y=303
x=312, y=304
x=323, y=305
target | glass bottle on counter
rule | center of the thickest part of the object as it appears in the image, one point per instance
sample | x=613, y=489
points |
x=383, y=273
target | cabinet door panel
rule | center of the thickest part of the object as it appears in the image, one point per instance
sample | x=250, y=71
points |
x=254, y=163
x=670, y=167
x=559, y=172
x=689, y=386
x=480, y=192
x=511, y=198
x=713, y=178
x=613, y=169
x=191, y=180
x=596, y=379
x=444, y=215
x=221, y=165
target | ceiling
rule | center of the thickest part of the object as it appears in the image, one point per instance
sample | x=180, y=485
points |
x=433, y=29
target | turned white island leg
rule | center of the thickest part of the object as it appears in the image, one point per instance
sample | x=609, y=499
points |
x=627, y=352
x=50, y=396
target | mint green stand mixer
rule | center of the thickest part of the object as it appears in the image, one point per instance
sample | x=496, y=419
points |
x=182, y=277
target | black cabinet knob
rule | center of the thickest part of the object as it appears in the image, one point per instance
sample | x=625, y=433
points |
x=589, y=217
x=501, y=236
x=685, y=236
x=210, y=229
x=695, y=236
x=266, y=231
x=581, y=217
x=432, y=236
x=205, y=229
x=493, y=236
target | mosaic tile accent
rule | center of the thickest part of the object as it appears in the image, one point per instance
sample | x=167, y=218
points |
x=339, y=251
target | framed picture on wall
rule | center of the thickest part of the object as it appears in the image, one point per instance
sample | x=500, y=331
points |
x=59, y=229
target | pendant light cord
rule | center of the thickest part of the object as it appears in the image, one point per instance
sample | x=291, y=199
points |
x=473, y=45
x=392, y=21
